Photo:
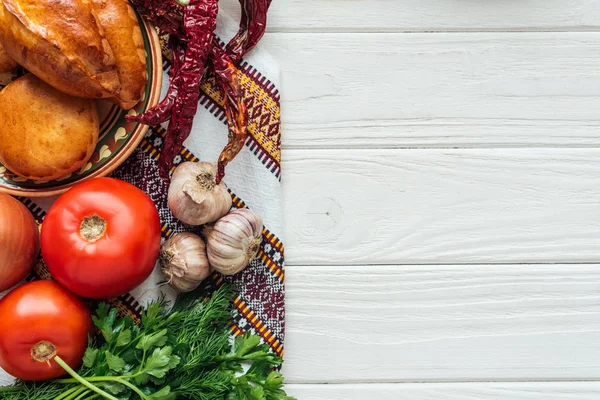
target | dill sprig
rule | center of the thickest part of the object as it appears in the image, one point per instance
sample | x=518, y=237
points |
x=182, y=353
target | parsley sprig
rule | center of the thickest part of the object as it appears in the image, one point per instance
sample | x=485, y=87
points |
x=181, y=353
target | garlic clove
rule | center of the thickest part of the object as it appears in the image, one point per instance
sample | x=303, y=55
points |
x=233, y=241
x=184, y=261
x=194, y=198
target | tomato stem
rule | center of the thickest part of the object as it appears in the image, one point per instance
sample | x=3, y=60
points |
x=92, y=228
x=81, y=380
x=43, y=351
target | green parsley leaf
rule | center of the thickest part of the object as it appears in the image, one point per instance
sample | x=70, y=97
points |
x=102, y=311
x=162, y=394
x=274, y=380
x=115, y=363
x=161, y=361
x=124, y=338
x=114, y=387
x=141, y=379
x=246, y=344
x=105, y=321
x=89, y=358
x=158, y=381
x=152, y=315
x=258, y=393
x=157, y=339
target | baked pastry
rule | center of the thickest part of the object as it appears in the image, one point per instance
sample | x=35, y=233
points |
x=7, y=64
x=8, y=68
x=61, y=43
x=124, y=35
x=44, y=133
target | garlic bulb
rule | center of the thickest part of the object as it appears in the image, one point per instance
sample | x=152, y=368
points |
x=183, y=261
x=194, y=197
x=233, y=241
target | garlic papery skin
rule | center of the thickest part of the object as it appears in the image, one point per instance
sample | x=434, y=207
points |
x=184, y=262
x=233, y=241
x=194, y=197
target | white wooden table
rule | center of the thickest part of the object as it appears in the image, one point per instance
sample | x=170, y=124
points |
x=442, y=190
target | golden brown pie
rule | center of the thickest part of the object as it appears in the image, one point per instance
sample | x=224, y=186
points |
x=45, y=134
x=7, y=64
x=124, y=35
x=62, y=43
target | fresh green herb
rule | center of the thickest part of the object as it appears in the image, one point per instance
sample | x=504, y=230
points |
x=183, y=353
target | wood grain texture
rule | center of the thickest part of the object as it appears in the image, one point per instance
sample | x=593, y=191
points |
x=430, y=15
x=442, y=323
x=450, y=391
x=442, y=206
x=439, y=90
x=370, y=114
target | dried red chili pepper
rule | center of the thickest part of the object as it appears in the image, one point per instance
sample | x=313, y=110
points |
x=162, y=111
x=165, y=14
x=228, y=79
x=199, y=21
x=191, y=24
x=252, y=28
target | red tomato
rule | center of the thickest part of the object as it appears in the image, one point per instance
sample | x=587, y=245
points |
x=38, y=321
x=101, y=238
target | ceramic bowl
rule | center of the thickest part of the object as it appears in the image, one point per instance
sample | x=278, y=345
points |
x=117, y=140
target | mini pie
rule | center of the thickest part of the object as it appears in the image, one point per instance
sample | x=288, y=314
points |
x=7, y=64
x=61, y=43
x=44, y=133
x=124, y=35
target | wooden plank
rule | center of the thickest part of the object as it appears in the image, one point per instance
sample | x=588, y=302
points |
x=450, y=391
x=350, y=324
x=439, y=90
x=431, y=15
x=442, y=206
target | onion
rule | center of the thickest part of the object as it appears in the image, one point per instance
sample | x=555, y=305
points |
x=19, y=241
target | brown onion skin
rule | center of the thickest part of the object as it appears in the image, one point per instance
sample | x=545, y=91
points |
x=19, y=241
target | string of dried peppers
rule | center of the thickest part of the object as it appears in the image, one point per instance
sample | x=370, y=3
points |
x=195, y=49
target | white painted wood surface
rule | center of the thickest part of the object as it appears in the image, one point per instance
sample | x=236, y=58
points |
x=429, y=15
x=413, y=206
x=439, y=90
x=442, y=183
x=451, y=391
x=442, y=323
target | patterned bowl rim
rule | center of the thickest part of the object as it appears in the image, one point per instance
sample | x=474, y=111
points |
x=136, y=136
